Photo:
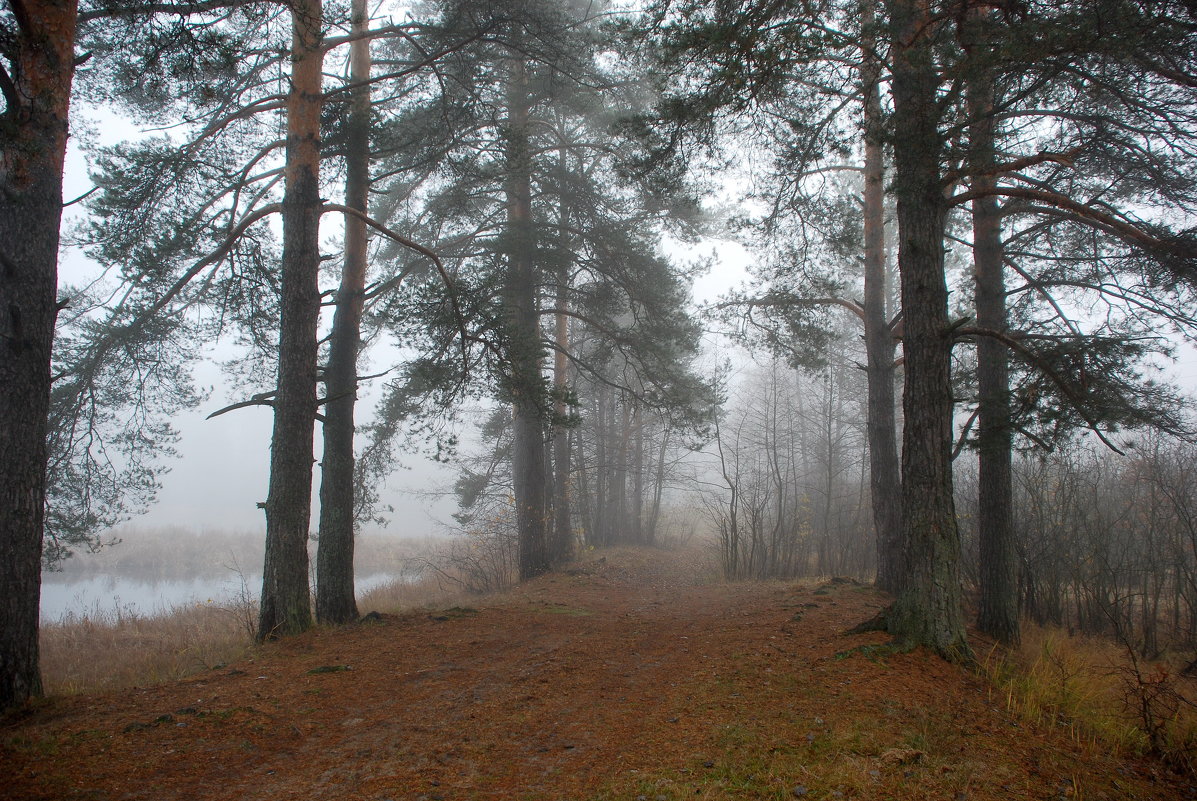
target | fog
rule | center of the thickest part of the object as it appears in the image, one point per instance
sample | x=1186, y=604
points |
x=221, y=471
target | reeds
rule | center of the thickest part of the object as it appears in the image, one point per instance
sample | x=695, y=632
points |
x=116, y=647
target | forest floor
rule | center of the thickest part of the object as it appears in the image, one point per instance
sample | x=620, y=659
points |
x=629, y=676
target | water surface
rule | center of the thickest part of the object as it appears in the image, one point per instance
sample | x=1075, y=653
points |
x=64, y=596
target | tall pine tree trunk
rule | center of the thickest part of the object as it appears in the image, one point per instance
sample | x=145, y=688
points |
x=563, y=536
x=928, y=610
x=884, y=469
x=33, y=140
x=335, y=602
x=585, y=501
x=529, y=462
x=998, y=615
x=286, y=603
x=620, y=516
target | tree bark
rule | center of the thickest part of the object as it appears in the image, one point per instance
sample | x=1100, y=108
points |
x=529, y=451
x=602, y=464
x=998, y=614
x=563, y=536
x=928, y=610
x=884, y=469
x=636, y=509
x=286, y=603
x=33, y=137
x=658, y=488
x=335, y=602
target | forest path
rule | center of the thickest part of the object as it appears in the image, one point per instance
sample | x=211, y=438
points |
x=631, y=675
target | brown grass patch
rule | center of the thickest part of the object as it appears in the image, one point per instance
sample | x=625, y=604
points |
x=107, y=649
x=1100, y=693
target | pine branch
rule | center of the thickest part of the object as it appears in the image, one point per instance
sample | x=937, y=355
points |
x=110, y=338
x=782, y=301
x=1033, y=359
x=450, y=284
x=174, y=9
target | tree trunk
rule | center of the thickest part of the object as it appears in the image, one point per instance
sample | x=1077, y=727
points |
x=335, y=602
x=584, y=497
x=286, y=603
x=619, y=515
x=658, y=487
x=884, y=476
x=928, y=610
x=637, y=505
x=32, y=148
x=563, y=535
x=529, y=453
x=998, y=615
x=601, y=469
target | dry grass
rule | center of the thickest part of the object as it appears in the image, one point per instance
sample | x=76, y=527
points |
x=424, y=591
x=117, y=647
x=107, y=649
x=1100, y=693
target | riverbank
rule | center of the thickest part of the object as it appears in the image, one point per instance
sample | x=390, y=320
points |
x=112, y=646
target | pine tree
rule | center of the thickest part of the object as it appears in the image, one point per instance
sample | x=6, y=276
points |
x=1090, y=94
x=39, y=64
x=540, y=229
x=335, y=601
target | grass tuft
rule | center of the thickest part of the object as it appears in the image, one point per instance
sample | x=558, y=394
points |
x=1100, y=693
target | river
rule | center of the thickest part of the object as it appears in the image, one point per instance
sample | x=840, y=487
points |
x=106, y=596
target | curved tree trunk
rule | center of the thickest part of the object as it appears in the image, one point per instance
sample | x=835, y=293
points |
x=928, y=610
x=335, y=602
x=32, y=148
x=884, y=470
x=286, y=602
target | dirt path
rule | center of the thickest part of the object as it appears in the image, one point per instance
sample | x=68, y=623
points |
x=624, y=678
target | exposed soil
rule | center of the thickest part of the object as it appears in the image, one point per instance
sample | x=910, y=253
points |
x=626, y=677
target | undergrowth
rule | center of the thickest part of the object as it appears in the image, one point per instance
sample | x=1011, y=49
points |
x=1102, y=692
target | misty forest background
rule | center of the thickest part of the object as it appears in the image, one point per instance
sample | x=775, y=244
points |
x=972, y=248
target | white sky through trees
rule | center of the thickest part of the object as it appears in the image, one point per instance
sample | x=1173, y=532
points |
x=221, y=472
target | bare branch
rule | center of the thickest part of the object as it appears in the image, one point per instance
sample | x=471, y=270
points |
x=260, y=399
x=1120, y=227
x=1065, y=159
